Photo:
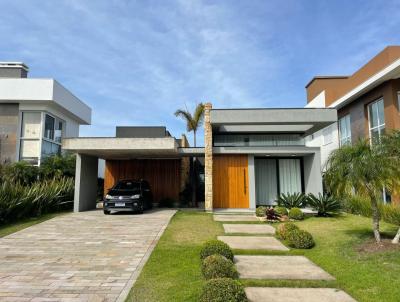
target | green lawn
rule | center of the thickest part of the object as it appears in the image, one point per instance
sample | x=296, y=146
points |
x=23, y=224
x=173, y=270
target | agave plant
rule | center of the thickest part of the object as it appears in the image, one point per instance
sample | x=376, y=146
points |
x=295, y=200
x=324, y=204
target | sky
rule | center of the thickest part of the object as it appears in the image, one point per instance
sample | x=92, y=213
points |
x=136, y=62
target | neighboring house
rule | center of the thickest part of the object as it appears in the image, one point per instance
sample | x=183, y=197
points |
x=35, y=115
x=368, y=103
x=250, y=157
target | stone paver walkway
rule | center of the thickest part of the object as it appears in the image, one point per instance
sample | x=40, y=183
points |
x=279, y=267
x=85, y=256
x=232, y=217
x=253, y=243
x=285, y=294
x=249, y=228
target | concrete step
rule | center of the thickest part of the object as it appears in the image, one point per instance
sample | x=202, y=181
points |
x=249, y=228
x=253, y=243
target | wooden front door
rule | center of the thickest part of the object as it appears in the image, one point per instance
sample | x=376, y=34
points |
x=230, y=181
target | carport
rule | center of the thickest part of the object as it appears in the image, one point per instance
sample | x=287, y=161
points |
x=159, y=158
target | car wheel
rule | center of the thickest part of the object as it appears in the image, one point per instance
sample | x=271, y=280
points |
x=106, y=212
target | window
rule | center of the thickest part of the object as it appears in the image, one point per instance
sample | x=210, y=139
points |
x=257, y=140
x=49, y=127
x=376, y=118
x=398, y=100
x=344, y=130
x=30, y=137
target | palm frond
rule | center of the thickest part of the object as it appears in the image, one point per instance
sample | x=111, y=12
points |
x=187, y=117
x=198, y=116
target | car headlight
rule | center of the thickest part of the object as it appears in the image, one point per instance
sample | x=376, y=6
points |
x=108, y=196
x=136, y=196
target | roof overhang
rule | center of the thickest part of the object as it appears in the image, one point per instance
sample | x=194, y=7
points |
x=44, y=92
x=390, y=72
x=282, y=151
x=123, y=148
x=293, y=120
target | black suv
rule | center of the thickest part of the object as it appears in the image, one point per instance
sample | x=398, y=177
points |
x=128, y=195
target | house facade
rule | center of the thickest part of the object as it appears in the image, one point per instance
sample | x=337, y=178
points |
x=35, y=115
x=367, y=102
x=250, y=157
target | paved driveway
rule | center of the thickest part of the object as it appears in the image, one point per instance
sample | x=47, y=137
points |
x=78, y=257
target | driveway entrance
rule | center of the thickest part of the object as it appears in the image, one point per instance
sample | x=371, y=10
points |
x=84, y=256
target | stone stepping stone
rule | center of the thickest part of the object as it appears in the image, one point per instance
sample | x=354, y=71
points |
x=279, y=267
x=235, y=218
x=249, y=228
x=285, y=294
x=253, y=243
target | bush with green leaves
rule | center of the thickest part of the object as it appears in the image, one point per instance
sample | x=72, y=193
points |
x=283, y=230
x=326, y=205
x=20, y=172
x=300, y=239
x=18, y=201
x=57, y=166
x=296, y=214
x=217, y=266
x=218, y=247
x=261, y=211
x=223, y=290
x=294, y=200
x=281, y=211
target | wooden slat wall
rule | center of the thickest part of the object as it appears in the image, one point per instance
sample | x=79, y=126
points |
x=162, y=174
x=230, y=181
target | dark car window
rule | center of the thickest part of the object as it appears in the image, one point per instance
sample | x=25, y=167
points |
x=127, y=185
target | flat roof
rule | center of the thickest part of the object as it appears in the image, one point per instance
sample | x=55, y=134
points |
x=272, y=120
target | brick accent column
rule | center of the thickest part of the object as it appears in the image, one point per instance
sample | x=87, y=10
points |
x=208, y=166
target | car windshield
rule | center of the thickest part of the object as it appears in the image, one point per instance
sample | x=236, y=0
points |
x=127, y=185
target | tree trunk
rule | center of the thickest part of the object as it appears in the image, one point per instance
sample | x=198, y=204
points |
x=396, y=238
x=375, y=219
x=194, y=182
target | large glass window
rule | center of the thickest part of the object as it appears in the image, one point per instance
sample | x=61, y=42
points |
x=49, y=127
x=376, y=116
x=344, y=130
x=398, y=100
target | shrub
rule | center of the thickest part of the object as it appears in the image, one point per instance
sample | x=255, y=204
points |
x=281, y=211
x=324, y=204
x=271, y=214
x=300, y=239
x=261, y=211
x=57, y=166
x=166, y=203
x=283, y=230
x=217, y=266
x=18, y=201
x=296, y=214
x=295, y=200
x=223, y=290
x=20, y=173
x=218, y=247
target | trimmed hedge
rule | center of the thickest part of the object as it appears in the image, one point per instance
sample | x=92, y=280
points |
x=213, y=247
x=281, y=211
x=283, y=230
x=296, y=214
x=223, y=290
x=261, y=211
x=217, y=266
x=300, y=239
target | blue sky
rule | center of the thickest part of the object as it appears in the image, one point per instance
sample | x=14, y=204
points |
x=136, y=62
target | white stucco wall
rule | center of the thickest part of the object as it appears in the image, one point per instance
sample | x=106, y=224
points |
x=318, y=101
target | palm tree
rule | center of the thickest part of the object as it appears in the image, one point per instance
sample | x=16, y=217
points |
x=193, y=122
x=364, y=170
x=391, y=147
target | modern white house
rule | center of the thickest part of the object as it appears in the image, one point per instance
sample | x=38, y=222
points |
x=35, y=115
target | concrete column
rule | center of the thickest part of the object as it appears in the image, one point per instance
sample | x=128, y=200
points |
x=208, y=165
x=85, y=183
x=312, y=173
x=252, y=183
